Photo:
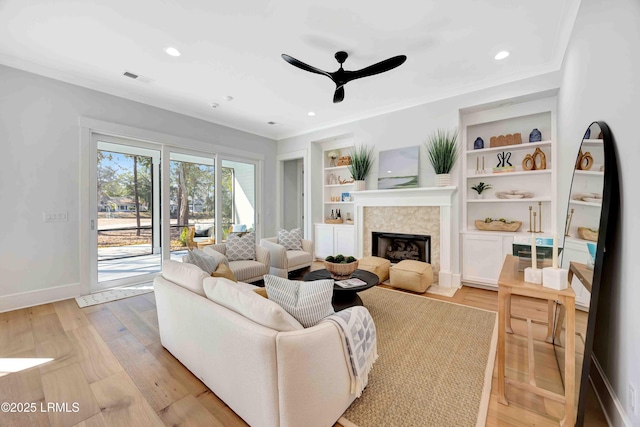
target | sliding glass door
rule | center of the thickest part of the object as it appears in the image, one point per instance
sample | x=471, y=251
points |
x=128, y=220
x=238, y=194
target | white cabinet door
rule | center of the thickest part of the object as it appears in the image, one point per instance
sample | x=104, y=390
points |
x=483, y=256
x=324, y=240
x=344, y=240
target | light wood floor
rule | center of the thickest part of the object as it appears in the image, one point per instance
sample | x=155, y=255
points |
x=108, y=358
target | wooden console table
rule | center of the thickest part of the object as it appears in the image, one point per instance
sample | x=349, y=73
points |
x=511, y=282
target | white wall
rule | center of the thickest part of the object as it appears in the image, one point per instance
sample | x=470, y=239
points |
x=291, y=194
x=601, y=81
x=39, y=142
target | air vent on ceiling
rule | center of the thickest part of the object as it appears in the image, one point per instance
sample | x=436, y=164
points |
x=271, y=123
x=137, y=77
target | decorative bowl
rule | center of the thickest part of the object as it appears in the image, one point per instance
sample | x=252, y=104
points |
x=588, y=234
x=497, y=225
x=514, y=196
x=341, y=271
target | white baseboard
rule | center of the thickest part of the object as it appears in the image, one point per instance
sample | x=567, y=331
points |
x=611, y=406
x=447, y=279
x=41, y=296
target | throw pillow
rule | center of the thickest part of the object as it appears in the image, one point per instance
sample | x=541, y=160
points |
x=291, y=240
x=241, y=248
x=308, y=302
x=251, y=305
x=189, y=276
x=206, y=262
x=223, y=270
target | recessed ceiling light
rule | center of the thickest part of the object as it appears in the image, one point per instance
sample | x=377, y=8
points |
x=501, y=55
x=271, y=123
x=172, y=51
x=228, y=98
x=311, y=113
x=215, y=105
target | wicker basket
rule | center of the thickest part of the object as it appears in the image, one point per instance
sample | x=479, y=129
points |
x=587, y=234
x=333, y=221
x=344, y=161
x=341, y=271
x=497, y=225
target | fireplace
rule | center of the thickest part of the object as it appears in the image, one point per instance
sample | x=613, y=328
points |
x=399, y=246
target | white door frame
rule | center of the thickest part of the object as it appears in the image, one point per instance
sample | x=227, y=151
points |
x=280, y=159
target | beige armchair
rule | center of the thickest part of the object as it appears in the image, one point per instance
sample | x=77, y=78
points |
x=247, y=271
x=283, y=261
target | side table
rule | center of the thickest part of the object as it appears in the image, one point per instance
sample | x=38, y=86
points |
x=511, y=282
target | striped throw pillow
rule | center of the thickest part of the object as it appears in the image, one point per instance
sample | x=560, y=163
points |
x=307, y=302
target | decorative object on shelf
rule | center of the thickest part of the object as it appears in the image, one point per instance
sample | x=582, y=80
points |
x=539, y=218
x=588, y=234
x=490, y=224
x=504, y=160
x=588, y=197
x=535, y=135
x=345, y=181
x=591, y=247
x=502, y=140
x=442, y=151
x=333, y=216
x=530, y=219
x=346, y=197
x=585, y=161
x=361, y=162
x=514, y=194
x=600, y=135
x=587, y=134
x=332, y=158
x=398, y=168
x=344, y=161
x=332, y=179
x=527, y=163
x=480, y=188
x=533, y=274
x=569, y=218
x=340, y=267
x=478, y=169
x=333, y=221
x=539, y=154
x=478, y=144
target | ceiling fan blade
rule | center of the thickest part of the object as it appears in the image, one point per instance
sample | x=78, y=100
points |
x=296, y=63
x=338, y=95
x=380, y=67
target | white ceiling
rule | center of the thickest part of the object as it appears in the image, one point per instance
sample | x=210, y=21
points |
x=232, y=48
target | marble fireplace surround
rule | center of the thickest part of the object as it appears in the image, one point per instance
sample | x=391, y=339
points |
x=426, y=210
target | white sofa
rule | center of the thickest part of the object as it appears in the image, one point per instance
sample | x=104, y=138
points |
x=268, y=378
x=247, y=271
x=284, y=261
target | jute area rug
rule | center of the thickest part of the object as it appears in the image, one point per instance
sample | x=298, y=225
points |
x=435, y=363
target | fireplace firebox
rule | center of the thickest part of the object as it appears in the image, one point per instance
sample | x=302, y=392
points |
x=397, y=247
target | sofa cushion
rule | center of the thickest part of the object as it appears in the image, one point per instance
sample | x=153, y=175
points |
x=189, y=276
x=308, y=302
x=291, y=240
x=298, y=258
x=206, y=262
x=250, y=305
x=223, y=270
x=241, y=247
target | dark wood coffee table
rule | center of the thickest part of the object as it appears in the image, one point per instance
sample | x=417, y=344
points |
x=345, y=297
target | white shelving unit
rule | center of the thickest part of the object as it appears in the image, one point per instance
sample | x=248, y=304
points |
x=331, y=239
x=483, y=251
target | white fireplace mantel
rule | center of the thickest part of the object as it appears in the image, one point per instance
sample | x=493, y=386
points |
x=443, y=197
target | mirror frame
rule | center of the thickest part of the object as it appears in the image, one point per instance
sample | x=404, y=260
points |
x=608, y=217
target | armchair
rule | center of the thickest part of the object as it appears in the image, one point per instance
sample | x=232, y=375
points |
x=283, y=261
x=247, y=271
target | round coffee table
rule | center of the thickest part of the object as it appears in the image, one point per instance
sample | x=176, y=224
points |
x=345, y=297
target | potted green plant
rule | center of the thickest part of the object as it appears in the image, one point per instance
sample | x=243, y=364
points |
x=361, y=162
x=480, y=188
x=442, y=150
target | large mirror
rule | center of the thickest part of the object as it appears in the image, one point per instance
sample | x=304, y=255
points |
x=592, y=199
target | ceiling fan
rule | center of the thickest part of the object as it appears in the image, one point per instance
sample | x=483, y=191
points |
x=342, y=77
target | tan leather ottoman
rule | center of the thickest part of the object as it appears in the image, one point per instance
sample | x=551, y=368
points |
x=376, y=265
x=411, y=275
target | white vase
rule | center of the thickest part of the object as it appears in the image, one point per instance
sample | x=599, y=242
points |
x=361, y=185
x=443, y=180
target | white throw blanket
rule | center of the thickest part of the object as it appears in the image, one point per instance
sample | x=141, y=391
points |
x=359, y=332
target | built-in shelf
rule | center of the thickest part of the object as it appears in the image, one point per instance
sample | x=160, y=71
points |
x=518, y=233
x=599, y=173
x=524, y=145
x=581, y=203
x=338, y=203
x=531, y=199
x=508, y=174
x=335, y=168
x=351, y=184
x=592, y=142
